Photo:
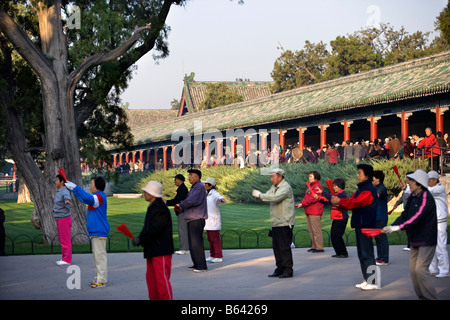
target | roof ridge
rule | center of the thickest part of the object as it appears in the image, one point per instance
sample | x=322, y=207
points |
x=432, y=59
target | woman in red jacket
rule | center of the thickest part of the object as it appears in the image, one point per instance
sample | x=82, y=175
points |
x=313, y=210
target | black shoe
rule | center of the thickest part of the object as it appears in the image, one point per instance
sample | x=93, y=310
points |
x=274, y=275
x=310, y=250
x=316, y=251
x=342, y=256
x=286, y=274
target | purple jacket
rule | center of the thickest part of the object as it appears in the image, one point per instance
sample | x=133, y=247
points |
x=194, y=206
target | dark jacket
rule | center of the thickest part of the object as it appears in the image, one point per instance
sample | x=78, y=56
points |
x=419, y=219
x=156, y=235
x=182, y=192
x=335, y=213
x=363, y=204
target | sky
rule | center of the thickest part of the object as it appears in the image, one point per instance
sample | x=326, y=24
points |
x=221, y=40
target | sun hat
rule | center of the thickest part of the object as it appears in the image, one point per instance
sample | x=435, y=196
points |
x=211, y=181
x=433, y=175
x=154, y=188
x=420, y=176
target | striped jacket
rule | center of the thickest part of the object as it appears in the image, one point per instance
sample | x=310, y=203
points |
x=419, y=219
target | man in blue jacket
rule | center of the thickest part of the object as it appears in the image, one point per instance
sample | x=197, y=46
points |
x=195, y=213
x=96, y=224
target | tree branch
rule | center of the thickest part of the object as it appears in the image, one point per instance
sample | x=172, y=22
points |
x=26, y=48
x=103, y=57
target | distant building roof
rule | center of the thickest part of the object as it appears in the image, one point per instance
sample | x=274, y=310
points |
x=408, y=80
x=195, y=92
x=145, y=117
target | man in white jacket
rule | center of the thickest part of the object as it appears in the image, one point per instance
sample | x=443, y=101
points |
x=440, y=264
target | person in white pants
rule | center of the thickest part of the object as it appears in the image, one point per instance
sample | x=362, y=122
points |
x=439, y=264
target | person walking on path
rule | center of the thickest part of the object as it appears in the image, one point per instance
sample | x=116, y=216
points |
x=63, y=218
x=339, y=218
x=439, y=265
x=419, y=220
x=182, y=192
x=313, y=211
x=156, y=238
x=213, y=224
x=195, y=212
x=363, y=205
x=381, y=240
x=96, y=224
x=282, y=218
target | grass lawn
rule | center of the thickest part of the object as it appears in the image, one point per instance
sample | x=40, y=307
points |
x=243, y=226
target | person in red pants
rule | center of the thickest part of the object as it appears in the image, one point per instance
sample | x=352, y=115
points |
x=213, y=224
x=63, y=218
x=156, y=238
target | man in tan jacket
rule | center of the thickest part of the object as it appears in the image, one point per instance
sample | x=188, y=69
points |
x=282, y=218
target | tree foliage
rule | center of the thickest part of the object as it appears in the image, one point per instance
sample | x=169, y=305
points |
x=364, y=50
x=217, y=95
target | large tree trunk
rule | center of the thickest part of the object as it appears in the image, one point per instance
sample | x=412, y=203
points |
x=60, y=140
x=61, y=143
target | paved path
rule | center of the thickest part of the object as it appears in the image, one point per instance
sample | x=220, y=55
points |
x=242, y=276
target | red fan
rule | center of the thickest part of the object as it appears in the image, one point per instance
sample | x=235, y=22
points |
x=125, y=231
x=371, y=232
x=390, y=211
x=313, y=193
x=329, y=183
x=396, y=172
x=62, y=173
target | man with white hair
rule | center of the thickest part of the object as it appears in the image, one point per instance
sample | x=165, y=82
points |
x=439, y=265
x=282, y=218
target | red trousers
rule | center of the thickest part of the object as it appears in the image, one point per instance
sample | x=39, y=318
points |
x=64, y=227
x=215, y=245
x=158, y=278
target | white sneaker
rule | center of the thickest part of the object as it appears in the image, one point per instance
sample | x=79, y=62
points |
x=209, y=259
x=360, y=285
x=406, y=249
x=216, y=260
x=181, y=252
x=62, y=263
x=441, y=275
x=368, y=287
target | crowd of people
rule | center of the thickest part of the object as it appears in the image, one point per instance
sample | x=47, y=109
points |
x=358, y=150
x=424, y=219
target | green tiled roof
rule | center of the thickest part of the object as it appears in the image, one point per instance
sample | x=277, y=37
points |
x=195, y=91
x=421, y=77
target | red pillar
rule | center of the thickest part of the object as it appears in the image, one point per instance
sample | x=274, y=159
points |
x=206, y=154
x=233, y=145
x=155, y=157
x=440, y=118
x=115, y=160
x=301, y=137
x=165, y=157
x=263, y=141
x=404, y=125
x=247, y=145
x=323, y=134
x=373, y=127
x=282, y=144
x=346, y=125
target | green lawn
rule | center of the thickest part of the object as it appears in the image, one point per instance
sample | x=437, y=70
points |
x=243, y=226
